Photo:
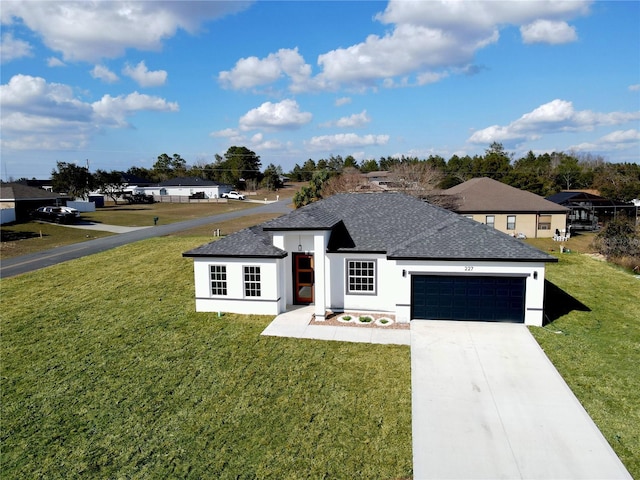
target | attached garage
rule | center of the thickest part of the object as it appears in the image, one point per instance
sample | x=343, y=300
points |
x=472, y=298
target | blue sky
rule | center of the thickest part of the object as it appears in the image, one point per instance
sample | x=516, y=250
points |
x=119, y=83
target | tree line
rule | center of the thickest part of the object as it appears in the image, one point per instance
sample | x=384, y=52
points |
x=239, y=167
x=543, y=174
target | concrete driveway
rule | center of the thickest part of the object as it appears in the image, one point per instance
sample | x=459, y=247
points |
x=487, y=403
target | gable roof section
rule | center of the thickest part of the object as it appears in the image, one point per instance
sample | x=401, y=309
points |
x=252, y=242
x=310, y=217
x=395, y=224
x=18, y=191
x=480, y=195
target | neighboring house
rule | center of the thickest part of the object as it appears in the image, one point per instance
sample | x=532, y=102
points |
x=186, y=187
x=508, y=209
x=43, y=184
x=377, y=252
x=588, y=211
x=24, y=199
x=380, y=180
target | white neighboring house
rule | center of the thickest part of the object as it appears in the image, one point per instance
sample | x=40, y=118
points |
x=186, y=187
x=378, y=252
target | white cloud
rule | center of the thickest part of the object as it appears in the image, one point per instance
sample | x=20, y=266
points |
x=252, y=72
x=431, y=77
x=634, y=88
x=622, y=136
x=430, y=37
x=342, y=140
x=546, y=31
x=227, y=132
x=283, y=115
x=352, y=121
x=114, y=110
x=37, y=114
x=55, y=62
x=553, y=117
x=614, y=141
x=91, y=31
x=427, y=42
x=342, y=101
x=258, y=142
x=13, y=48
x=103, y=73
x=145, y=78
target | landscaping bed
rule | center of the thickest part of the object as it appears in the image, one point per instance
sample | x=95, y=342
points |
x=377, y=320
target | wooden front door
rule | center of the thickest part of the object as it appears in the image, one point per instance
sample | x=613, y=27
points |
x=303, y=278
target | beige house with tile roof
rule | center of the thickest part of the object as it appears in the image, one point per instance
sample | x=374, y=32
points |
x=508, y=209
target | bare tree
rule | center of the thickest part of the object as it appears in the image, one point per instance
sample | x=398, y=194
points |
x=349, y=181
x=421, y=180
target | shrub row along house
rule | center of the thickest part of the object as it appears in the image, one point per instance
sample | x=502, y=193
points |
x=377, y=252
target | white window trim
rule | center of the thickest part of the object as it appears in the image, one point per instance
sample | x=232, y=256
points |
x=348, y=291
x=492, y=224
x=245, y=283
x=514, y=222
x=226, y=280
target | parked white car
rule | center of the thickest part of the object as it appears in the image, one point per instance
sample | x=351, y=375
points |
x=233, y=195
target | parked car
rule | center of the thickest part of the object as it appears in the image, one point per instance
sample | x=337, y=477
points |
x=73, y=211
x=56, y=214
x=233, y=195
x=138, y=198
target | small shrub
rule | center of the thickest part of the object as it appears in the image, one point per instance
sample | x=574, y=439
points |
x=384, y=321
x=618, y=239
x=346, y=318
x=628, y=263
x=365, y=319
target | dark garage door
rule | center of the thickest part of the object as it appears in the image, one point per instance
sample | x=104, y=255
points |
x=497, y=299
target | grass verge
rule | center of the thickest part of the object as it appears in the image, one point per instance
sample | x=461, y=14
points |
x=597, y=350
x=143, y=215
x=113, y=375
x=25, y=238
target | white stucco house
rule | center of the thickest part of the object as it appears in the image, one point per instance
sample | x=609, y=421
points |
x=373, y=252
x=185, y=187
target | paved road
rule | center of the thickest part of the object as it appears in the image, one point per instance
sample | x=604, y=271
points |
x=487, y=403
x=27, y=263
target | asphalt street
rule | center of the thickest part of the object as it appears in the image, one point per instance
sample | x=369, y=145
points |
x=35, y=261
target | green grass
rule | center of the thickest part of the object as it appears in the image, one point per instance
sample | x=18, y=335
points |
x=579, y=242
x=113, y=375
x=143, y=215
x=109, y=374
x=598, y=351
x=24, y=238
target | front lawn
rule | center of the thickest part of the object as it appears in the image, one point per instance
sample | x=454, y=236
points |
x=24, y=238
x=596, y=347
x=143, y=215
x=107, y=372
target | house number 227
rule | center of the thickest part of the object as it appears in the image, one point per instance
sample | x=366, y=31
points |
x=468, y=269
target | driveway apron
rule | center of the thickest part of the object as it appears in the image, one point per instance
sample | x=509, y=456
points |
x=487, y=404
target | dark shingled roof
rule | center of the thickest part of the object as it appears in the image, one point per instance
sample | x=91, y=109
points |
x=488, y=195
x=575, y=198
x=400, y=226
x=18, y=191
x=251, y=242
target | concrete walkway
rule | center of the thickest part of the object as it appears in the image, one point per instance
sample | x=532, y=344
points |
x=295, y=324
x=487, y=403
